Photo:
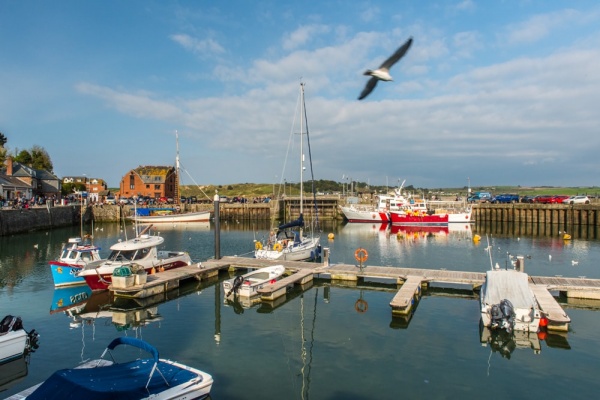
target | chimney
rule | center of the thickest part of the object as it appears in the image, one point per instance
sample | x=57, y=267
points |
x=9, y=166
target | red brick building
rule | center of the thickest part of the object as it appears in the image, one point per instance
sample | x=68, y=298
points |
x=151, y=181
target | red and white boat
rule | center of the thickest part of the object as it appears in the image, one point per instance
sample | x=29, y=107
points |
x=380, y=212
x=423, y=217
x=142, y=250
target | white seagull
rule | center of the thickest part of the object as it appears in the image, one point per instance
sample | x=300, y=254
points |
x=383, y=72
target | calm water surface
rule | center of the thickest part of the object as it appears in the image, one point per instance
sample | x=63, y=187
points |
x=314, y=344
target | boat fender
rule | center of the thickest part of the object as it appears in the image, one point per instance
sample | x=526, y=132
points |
x=361, y=255
x=361, y=306
x=277, y=247
x=258, y=245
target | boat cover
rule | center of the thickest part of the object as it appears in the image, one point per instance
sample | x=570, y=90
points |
x=117, y=381
x=508, y=284
x=298, y=222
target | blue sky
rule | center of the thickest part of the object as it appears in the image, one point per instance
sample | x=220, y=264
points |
x=491, y=92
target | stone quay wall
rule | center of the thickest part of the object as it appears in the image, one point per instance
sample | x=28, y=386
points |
x=26, y=220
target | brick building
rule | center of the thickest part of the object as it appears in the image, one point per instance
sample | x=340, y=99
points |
x=95, y=187
x=151, y=181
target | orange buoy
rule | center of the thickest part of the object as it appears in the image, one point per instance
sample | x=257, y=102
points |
x=543, y=322
x=361, y=255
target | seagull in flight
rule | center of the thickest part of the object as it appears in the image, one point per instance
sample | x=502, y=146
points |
x=383, y=72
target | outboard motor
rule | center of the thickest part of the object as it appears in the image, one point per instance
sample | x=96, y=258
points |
x=503, y=315
x=237, y=282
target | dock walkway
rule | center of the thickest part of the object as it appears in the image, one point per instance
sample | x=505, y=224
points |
x=410, y=281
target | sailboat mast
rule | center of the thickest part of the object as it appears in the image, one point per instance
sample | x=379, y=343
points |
x=176, y=196
x=301, y=149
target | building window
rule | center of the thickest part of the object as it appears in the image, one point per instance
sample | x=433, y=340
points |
x=131, y=187
x=147, y=186
x=156, y=187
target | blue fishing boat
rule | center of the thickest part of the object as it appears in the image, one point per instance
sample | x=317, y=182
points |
x=75, y=254
x=146, y=378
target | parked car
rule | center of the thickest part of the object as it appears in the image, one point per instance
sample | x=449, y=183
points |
x=543, y=199
x=577, y=200
x=480, y=197
x=527, y=199
x=110, y=200
x=505, y=198
x=558, y=199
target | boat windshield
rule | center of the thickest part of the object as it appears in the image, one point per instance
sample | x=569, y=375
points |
x=128, y=255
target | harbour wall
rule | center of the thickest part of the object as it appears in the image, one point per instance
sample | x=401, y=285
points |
x=26, y=220
x=527, y=219
x=578, y=220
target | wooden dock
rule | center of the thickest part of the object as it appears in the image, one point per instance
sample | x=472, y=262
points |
x=410, y=282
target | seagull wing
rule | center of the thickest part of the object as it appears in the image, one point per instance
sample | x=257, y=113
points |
x=387, y=64
x=368, y=88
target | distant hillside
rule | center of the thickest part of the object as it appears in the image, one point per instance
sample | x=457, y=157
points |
x=250, y=190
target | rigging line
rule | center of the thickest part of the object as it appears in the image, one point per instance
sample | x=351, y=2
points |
x=312, y=175
x=186, y=171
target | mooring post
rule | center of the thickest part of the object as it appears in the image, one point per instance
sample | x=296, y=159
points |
x=217, y=202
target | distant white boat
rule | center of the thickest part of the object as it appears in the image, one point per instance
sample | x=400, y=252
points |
x=199, y=216
x=247, y=285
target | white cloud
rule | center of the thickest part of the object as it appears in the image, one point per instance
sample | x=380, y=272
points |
x=303, y=35
x=539, y=26
x=197, y=46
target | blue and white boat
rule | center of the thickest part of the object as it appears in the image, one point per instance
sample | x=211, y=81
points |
x=148, y=378
x=74, y=255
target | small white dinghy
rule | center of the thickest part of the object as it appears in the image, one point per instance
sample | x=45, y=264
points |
x=247, y=285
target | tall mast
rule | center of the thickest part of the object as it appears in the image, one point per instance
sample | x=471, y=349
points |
x=176, y=195
x=301, y=149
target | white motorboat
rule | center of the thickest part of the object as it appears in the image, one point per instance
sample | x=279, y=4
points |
x=173, y=218
x=247, y=285
x=149, y=378
x=141, y=250
x=507, y=302
x=14, y=339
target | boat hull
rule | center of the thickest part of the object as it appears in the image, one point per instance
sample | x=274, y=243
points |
x=253, y=281
x=12, y=345
x=66, y=275
x=202, y=216
x=308, y=250
x=400, y=218
x=101, y=278
x=356, y=215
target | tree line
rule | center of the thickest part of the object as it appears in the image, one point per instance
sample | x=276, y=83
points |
x=36, y=157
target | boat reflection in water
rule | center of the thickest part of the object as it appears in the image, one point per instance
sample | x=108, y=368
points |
x=13, y=372
x=385, y=230
x=504, y=343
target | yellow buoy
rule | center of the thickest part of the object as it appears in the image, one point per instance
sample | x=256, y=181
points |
x=476, y=238
x=566, y=236
x=331, y=236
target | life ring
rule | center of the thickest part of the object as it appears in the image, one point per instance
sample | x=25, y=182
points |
x=258, y=245
x=277, y=247
x=361, y=306
x=361, y=255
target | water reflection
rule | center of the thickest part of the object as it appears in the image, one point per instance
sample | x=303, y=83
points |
x=13, y=372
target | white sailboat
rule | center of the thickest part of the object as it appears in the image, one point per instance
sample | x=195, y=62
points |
x=285, y=243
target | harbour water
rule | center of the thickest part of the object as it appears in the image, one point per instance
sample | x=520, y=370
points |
x=316, y=344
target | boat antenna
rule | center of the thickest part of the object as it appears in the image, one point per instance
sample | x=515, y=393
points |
x=177, y=198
